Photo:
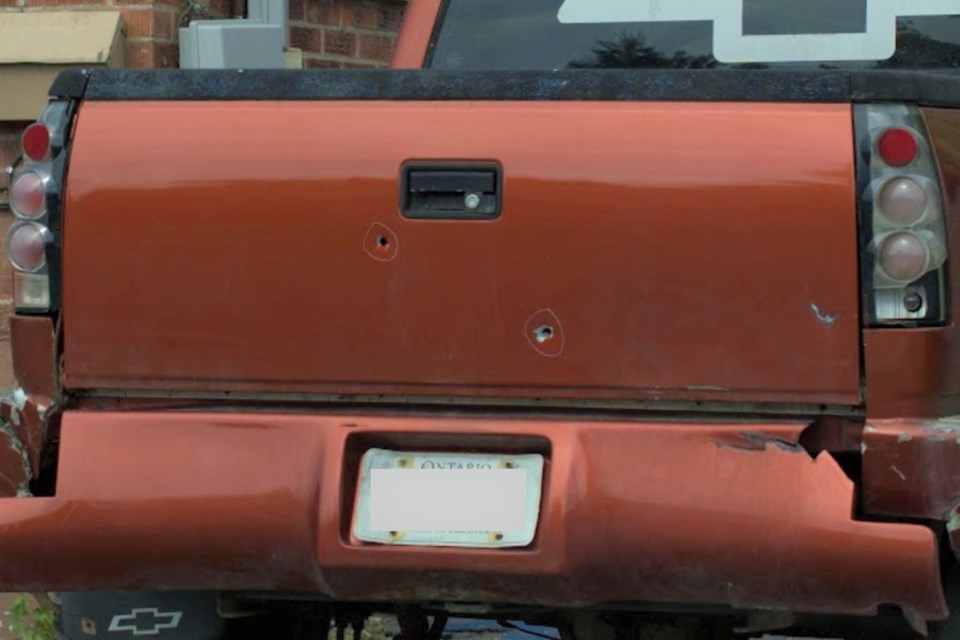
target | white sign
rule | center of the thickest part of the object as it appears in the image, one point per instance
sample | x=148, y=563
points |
x=448, y=499
x=879, y=42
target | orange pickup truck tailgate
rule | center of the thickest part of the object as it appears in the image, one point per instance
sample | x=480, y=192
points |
x=671, y=251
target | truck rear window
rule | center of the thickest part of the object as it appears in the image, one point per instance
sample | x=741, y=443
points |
x=696, y=34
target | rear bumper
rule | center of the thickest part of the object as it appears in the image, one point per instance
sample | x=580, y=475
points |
x=633, y=513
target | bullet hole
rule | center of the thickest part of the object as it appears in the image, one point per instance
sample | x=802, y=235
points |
x=381, y=243
x=498, y=537
x=543, y=333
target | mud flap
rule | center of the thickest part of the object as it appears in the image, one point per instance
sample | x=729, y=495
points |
x=175, y=615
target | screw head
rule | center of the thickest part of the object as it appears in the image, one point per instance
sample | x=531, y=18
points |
x=913, y=302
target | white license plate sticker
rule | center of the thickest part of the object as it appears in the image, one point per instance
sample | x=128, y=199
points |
x=448, y=500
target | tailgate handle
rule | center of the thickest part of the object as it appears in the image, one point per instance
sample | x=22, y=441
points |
x=451, y=191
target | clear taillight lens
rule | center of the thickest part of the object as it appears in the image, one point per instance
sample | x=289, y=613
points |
x=31, y=291
x=903, y=230
x=904, y=257
x=28, y=194
x=27, y=246
x=902, y=201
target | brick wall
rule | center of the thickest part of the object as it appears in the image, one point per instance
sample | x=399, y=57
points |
x=345, y=33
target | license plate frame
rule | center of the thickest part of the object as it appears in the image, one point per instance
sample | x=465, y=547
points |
x=362, y=527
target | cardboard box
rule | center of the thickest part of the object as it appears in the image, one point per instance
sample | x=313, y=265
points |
x=37, y=45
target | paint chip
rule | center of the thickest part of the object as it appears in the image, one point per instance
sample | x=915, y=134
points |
x=826, y=319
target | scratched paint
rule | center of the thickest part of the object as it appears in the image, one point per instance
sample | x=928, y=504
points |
x=825, y=318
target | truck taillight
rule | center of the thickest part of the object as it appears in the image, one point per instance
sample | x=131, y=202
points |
x=28, y=194
x=902, y=225
x=32, y=245
x=27, y=246
x=36, y=142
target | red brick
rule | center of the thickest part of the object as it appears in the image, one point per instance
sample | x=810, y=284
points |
x=297, y=10
x=307, y=39
x=360, y=15
x=339, y=43
x=376, y=47
x=319, y=63
x=360, y=65
x=139, y=55
x=165, y=24
x=140, y=3
x=167, y=55
x=138, y=23
x=218, y=8
x=325, y=12
x=9, y=3
x=149, y=23
x=147, y=54
x=62, y=3
x=391, y=15
x=9, y=147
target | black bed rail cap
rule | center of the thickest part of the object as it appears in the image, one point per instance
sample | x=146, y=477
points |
x=70, y=83
x=933, y=88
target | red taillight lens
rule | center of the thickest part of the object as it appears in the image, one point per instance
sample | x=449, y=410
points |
x=26, y=247
x=36, y=142
x=898, y=147
x=28, y=197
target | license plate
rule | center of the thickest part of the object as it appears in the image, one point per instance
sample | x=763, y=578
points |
x=448, y=500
